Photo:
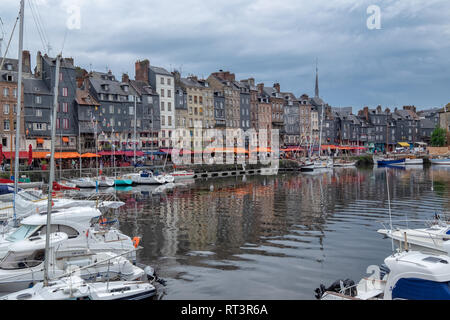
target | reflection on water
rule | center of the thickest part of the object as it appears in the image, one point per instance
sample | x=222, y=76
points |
x=274, y=237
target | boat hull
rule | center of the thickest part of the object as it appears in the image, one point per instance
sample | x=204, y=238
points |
x=390, y=162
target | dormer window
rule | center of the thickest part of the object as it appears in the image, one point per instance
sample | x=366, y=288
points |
x=8, y=66
x=105, y=87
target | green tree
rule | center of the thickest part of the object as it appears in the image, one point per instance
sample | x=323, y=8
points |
x=439, y=137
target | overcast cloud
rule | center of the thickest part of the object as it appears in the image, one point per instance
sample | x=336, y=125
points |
x=406, y=62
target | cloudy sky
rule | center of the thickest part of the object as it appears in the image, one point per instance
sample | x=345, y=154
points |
x=406, y=61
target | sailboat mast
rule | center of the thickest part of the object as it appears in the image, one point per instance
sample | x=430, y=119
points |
x=19, y=104
x=320, y=135
x=134, y=142
x=52, y=169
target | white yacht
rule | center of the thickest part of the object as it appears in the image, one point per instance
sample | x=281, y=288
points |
x=80, y=224
x=23, y=265
x=145, y=177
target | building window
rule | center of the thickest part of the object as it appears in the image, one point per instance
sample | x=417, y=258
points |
x=38, y=99
x=169, y=106
x=111, y=109
x=60, y=76
x=6, y=109
x=168, y=81
x=162, y=80
x=169, y=93
x=38, y=113
x=58, y=123
x=66, y=123
x=6, y=125
x=162, y=105
x=15, y=92
x=131, y=110
x=5, y=92
x=65, y=107
x=162, y=92
x=64, y=92
x=169, y=120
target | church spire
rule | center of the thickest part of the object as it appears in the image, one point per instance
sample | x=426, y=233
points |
x=317, y=81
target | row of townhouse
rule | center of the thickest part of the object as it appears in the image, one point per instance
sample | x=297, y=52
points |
x=98, y=111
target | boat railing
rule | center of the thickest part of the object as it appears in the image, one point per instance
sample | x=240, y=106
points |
x=426, y=234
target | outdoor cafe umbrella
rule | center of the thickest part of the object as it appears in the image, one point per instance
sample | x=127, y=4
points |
x=30, y=154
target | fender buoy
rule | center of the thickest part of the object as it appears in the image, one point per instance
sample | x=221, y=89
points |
x=136, y=241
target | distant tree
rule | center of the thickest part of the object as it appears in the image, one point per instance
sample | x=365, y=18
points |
x=439, y=137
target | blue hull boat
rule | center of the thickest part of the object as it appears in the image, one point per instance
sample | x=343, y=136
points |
x=386, y=162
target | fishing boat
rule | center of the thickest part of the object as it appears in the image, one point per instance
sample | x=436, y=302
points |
x=441, y=162
x=22, y=266
x=389, y=161
x=77, y=224
x=182, y=174
x=75, y=288
x=409, y=275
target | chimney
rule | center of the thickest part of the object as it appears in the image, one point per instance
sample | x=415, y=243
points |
x=277, y=87
x=142, y=68
x=260, y=87
x=38, y=69
x=125, y=78
x=69, y=60
x=26, y=61
x=176, y=74
x=366, y=113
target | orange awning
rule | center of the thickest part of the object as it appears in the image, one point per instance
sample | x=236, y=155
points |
x=40, y=140
x=89, y=155
x=65, y=139
x=40, y=154
x=65, y=155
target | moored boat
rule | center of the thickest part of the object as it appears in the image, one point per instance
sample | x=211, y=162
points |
x=444, y=161
x=182, y=174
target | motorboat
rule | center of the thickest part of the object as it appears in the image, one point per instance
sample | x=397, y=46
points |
x=122, y=181
x=146, y=177
x=409, y=161
x=430, y=239
x=6, y=192
x=344, y=163
x=442, y=162
x=406, y=275
x=23, y=265
x=76, y=288
x=169, y=178
x=84, y=226
x=28, y=203
x=84, y=182
x=105, y=182
x=182, y=174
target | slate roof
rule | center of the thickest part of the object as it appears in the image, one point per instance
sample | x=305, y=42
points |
x=427, y=124
x=114, y=86
x=64, y=62
x=35, y=86
x=159, y=70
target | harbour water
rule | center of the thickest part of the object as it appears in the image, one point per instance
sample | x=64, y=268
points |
x=275, y=237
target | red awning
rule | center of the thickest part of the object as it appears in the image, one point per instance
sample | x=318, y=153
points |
x=131, y=153
x=22, y=154
x=110, y=153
